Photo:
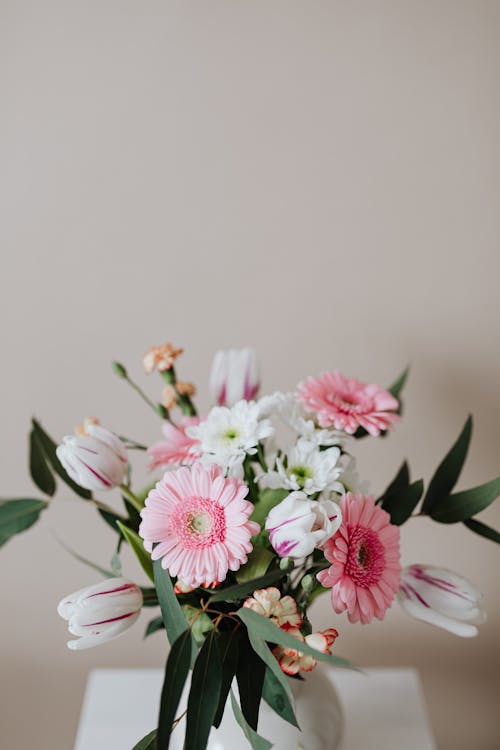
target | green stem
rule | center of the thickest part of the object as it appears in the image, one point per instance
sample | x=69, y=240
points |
x=141, y=393
x=133, y=500
x=261, y=457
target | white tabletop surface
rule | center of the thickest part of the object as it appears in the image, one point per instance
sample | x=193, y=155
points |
x=384, y=709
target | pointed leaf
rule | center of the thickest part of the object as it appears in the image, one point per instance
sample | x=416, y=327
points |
x=173, y=616
x=259, y=560
x=250, y=677
x=49, y=449
x=18, y=515
x=267, y=500
x=449, y=469
x=265, y=629
x=242, y=590
x=401, y=503
x=137, y=546
x=402, y=479
x=256, y=741
x=40, y=472
x=464, y=505
x=154, y=625
x=483, y=530
x=148, y=742
x=229, y=647
x=274, y=695
x=204, y=694
x=176, y=672
x=396, y=388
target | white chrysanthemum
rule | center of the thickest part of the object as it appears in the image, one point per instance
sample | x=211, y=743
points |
x=228, y=435
x=305, y=467
x=291, y=412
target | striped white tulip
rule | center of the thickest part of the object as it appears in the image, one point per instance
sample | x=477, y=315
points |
x=96, y=460
x=442, y=598
x=101, y=612
x=234, y=376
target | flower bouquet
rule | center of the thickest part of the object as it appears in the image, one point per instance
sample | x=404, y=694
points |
x=258, y=510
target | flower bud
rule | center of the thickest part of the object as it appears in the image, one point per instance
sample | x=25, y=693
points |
x=298, y=525
x=119, y=369
x=234, y=376
x=442, y=598
x=308, y=583
x=287, y=564
x=101, y=612
x=96, y=461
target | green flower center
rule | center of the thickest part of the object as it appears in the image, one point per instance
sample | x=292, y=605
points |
x=301, y=474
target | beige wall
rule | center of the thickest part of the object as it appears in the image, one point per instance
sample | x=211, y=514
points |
x=319, y=179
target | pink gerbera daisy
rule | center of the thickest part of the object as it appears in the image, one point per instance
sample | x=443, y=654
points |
x=365, y=570
x=177, y=448
x=199, y=520
x=346, y=403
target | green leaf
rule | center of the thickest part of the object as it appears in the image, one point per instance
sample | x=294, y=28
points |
x=259, y=560
x=261, y=648
x=229, y=647
x=18, y=515
x=242, y=590
x=250, y=677
x=463, y=505
x=199, y=622
x=448, y=471
x=154, y=625
x=267, y=500
x=147, y=743
x=40, y=472
x=396, y=388
x=204, y=694
x=266, y=630
x=103, y=571
x=137, y=546
x=256, y=741
x=273, y=694
x=173, y=616
x=402, y=479
x=483, y=530
x=49, y=449
x=401, y=503
x=176, y=672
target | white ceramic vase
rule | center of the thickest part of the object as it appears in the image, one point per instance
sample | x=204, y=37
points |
x=317, y=708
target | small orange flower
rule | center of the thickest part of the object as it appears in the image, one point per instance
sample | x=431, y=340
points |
x=160, y=358
x=169, y=397
x=184, y=388
x=81, y=430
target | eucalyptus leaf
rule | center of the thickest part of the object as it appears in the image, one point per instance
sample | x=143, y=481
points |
x=463, y=505
x=401, y=480
x=448, y=471
x=401, y=503
x=148, y=742
x=176, y=672
x=173, y=616
x=154, y=625
x=204, y=695
x=483, y=530
x=49, y=448
x=258, y=562
x=263, y=628
x=103, y=571
x=40, y=472
x=199, y=622
x=250, y=678
x=18, y=515
x=274, y=695
x=229, y=641
x=396, y=388
x=242, y=590
x=256, y=741
x=137, y=545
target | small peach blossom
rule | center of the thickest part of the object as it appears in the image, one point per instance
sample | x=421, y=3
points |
x=160, y=358
x=169, y=397
x=184, y=388
x=282, y=610
x=82, y=430
x=293, y=660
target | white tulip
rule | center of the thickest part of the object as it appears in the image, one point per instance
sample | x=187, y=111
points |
x=442, y=598
x=234, y=376
x=298, y=525
x=96, y=460
x=101, y=612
